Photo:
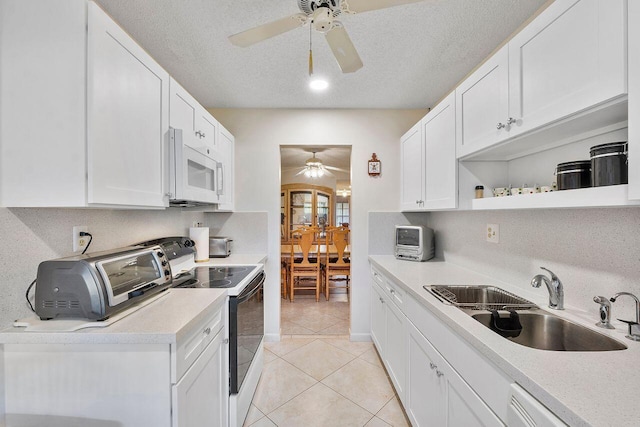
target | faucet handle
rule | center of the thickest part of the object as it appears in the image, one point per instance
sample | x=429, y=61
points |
x=553, y=275
x=634, y=329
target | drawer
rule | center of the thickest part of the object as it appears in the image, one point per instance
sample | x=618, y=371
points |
x=394, y=292
x=196, y=339
x=377, y=277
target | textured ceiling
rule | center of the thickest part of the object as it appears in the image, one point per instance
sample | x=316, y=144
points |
x=292, y=157
x=413, y=54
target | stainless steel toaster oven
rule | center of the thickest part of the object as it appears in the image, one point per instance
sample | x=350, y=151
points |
x=219, y=247
x=96, y=286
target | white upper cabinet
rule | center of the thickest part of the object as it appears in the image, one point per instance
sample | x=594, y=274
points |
x=634, y=100
x=127, y=117
x=482, y=104
x=441, y=165
x=225, y=170
x=412, y=169
x=567, y=64
x=572, y=57
x=199, y=128
x=102, y=106
x=429, y=165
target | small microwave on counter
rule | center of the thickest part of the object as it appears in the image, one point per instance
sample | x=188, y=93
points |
x=414, y=243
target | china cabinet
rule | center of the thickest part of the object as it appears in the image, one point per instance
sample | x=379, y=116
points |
x=305, y=205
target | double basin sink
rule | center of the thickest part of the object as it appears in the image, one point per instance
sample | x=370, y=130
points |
x=521, y=321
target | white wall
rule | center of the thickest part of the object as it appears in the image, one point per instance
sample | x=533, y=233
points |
x=259, y=135
x=593, y=251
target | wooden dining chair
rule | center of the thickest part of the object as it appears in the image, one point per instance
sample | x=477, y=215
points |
x=304, y=266
x=336, y=266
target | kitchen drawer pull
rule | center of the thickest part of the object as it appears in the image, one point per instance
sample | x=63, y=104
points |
x=500, y=126
x=432, y=365
x=439, y=373
x=511, y=121
x=207, y=331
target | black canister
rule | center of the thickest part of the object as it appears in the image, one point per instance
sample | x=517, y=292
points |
x=609, y=164
x=572, y=175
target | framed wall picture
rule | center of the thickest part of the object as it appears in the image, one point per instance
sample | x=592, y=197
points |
x=374, y=165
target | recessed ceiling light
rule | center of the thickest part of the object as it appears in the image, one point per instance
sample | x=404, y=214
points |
x=318, y=84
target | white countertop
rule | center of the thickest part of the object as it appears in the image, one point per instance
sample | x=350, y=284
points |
x=582, y=388
x=237, y=259
x=160, y=322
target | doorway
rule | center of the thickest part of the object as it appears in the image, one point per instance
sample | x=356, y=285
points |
x=315, y=194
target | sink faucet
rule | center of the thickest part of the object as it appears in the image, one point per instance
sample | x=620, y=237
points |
x=554, y=286
x=634, y=327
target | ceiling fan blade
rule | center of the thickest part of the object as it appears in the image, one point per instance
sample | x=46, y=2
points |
x=343, y=49
x=333, y=168
x=300, y=173
x=359, y=6
x=266, y=31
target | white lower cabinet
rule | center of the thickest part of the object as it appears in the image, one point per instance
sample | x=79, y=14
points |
x=439, y=378
x=388, y=332
x=435, y=394
x=200, y=397
x=181, y=384
x=378, y=322
x=394, y=356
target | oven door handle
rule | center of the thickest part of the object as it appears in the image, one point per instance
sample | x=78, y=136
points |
x=252, y=289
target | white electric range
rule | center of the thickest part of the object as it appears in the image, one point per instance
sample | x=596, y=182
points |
x=244, y=284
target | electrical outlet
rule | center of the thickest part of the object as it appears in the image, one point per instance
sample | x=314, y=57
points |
x=80, y=242
x=493, y=233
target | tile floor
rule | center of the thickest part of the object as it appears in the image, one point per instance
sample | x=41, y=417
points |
x=305, y=316
x=329, y=381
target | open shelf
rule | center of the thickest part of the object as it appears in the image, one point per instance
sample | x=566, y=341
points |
x=615, y=195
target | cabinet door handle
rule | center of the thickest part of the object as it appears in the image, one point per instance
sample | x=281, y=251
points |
x=500, y=126
x=432, y=365
x=511, y=121
x=381, y=300
x=439, y=373
x=207, y=331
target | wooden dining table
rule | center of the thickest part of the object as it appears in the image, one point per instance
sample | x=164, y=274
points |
x=285, y=251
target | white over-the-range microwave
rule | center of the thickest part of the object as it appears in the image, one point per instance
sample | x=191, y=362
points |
x=194, y=177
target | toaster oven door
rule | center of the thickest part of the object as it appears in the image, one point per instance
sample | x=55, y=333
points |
x=193, y=175
x=131, y=275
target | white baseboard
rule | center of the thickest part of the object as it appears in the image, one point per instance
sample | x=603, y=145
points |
x=360, y=337
x=271, y=337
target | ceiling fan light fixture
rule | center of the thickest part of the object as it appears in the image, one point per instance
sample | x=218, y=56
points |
x=318, y=84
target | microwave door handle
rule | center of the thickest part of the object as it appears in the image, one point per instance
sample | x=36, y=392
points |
x=220, y=178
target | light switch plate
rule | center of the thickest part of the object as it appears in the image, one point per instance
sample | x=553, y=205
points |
x=493, y=233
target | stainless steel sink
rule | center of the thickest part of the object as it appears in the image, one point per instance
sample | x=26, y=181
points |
x=546, y=331
x=528, y=325
x=479, y=297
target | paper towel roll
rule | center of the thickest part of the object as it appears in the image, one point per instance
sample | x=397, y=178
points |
x=200, y=235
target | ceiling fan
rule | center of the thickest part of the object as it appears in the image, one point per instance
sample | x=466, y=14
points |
x=321, y=15
x=314, y=168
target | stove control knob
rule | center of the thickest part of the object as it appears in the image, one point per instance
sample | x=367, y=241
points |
x=167, y=273
x=188, y=243
x=164, y=263
x=160, y=254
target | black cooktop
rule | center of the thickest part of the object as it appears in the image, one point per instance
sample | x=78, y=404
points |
x=212, y=277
